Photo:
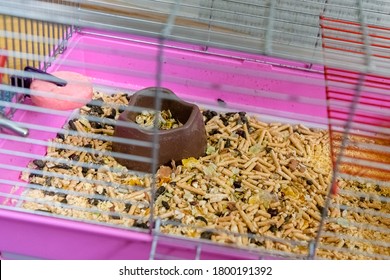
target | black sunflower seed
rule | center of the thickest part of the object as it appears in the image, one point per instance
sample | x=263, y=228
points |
x=84, y=170
x=44, y=210
x=48, y=193
x=127, y=206
x=141, y=225
x=48, y=181
x=230, y=114
x=60, y=136
x=201, y=218
x=309, y=182
x=35, y=175
x=214, y=131
x=360, y=186
x=241, y=133
x=209, y=115
x=62, y=166
x=112, y=115
x=115, y=217
x=273, y=229
x=206, y=235
x=159, y=191
x=273, y=212
x=219, y=214
x=39, y=163
x=257, y=242
x=93, y=201
x=224, y=120
x=320, y=208
x=96, y=125
x=98, y=110
x=63, y=195
x=74, y=157
x=165, y=204
x=227, y=143
x=221, y=101
x=243, y=117
x=72, y=126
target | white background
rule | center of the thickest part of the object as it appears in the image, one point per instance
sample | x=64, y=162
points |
x=109, y=270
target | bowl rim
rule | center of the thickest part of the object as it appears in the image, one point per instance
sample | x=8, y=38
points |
x=191, y=119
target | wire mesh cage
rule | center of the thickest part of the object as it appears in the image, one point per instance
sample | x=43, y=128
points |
x=194, y=129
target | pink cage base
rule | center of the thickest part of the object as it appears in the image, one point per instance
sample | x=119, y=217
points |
x=53, y=238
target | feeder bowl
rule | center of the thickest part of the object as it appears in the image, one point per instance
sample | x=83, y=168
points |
x=189, y=140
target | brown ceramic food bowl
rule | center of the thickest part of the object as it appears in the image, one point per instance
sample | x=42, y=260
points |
x=189, y=140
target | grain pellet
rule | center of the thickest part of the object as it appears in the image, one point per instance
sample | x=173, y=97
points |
x=264, y=214
x=297, y=143
x=266, y=164
x=167, y=215
x=319, y=200
x=258, y=124
x=284, y=175
x=190, y=188
x=183, y=179
x=265, y=223
x=249, y=185
x=250, y=162
x=221, y=183
x=305, y=216
x=259, y=176
x=246, y=219
x=312, y=180
x=275, y=160
x=209, y=208
x=279, y=145
x=314, y=214
x=280, y=222
x=261, y=137
x=288, y=172
x=228, y=163
x=260, y=167
x=247, y=135
x=288, y=226
x=264, y=229
x=301, y=236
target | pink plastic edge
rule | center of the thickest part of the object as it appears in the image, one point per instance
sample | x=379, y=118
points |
x=31, y=234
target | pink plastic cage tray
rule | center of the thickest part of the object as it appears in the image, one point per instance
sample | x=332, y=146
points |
x=187, y=69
